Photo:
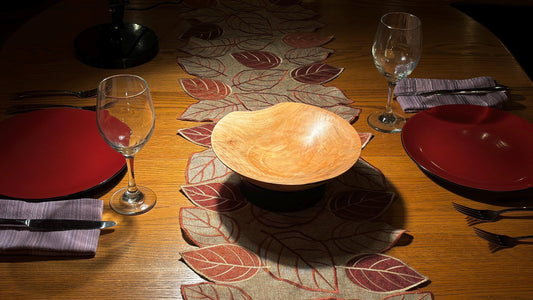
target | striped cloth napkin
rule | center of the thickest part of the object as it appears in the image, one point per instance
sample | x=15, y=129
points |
x=51, y=243
x=413, y=103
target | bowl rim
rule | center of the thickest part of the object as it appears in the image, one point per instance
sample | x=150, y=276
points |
x=281, y=184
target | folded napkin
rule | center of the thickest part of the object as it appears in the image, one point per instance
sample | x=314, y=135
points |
x=15, y=241
x=412, y=103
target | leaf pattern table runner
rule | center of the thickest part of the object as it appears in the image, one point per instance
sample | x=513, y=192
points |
x=250, y=55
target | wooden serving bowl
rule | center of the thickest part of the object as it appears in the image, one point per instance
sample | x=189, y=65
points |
x=286, y=147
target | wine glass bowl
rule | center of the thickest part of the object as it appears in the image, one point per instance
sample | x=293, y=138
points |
x=396, y=51
x=126, y=119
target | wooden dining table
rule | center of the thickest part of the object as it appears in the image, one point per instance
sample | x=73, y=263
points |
x=140, y=258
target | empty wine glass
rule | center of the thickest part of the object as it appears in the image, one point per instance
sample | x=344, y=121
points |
x=126, y=119
x=396, y=52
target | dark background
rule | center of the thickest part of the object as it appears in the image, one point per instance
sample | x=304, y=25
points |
x=511, y=23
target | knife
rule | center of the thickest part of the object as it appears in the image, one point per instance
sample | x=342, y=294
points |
x=56, y=224
x=473, y=91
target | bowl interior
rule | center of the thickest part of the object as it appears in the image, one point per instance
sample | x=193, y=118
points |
x=286, y=144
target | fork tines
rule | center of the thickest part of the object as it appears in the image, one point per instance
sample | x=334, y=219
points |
x=473, y=216
x=491, y=237
x=496, y=241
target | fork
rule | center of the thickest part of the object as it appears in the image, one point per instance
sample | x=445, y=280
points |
x=24, y=108
x=498, y=241
x=473, y=91
x=44, y=93
x=475, y=216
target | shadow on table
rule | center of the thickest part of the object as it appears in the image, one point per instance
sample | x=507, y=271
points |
x=336, y=214
x=512, y=198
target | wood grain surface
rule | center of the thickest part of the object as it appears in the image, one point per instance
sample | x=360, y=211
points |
x=140, y=258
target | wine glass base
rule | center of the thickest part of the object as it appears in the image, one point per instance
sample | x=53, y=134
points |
x=123, y=207
x=387, y=123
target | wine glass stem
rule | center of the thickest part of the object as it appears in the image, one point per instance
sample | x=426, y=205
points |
x=132, y=194
x=388, y=106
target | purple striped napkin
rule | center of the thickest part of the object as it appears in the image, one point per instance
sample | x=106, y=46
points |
x=411, y=103
x=52, y=243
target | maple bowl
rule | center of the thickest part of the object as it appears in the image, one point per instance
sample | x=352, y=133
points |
x=286, y=147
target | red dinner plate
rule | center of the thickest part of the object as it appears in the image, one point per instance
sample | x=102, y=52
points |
x=473, y=146
x=54, y=153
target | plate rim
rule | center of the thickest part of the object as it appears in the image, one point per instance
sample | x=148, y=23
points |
x=476, y=109
x=90, y=191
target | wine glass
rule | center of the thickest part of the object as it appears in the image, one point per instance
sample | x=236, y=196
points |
x=126, y=119
x=396, y=52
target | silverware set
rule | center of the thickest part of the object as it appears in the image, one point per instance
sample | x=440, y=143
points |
x=473, y=91
x=496, y=241
x=45, y=93
x=475, y=216
x=55, y=224
x=23, y=108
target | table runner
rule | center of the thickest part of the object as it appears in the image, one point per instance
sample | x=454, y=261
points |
x=248, y=56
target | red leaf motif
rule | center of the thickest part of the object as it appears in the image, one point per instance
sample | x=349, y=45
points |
x=212, y=291
x=321, y=96
x=208, y=110
x=382, y=273
x=204, y=31
x=204, y=166
x=200, y=135
x=365, y=237
x=299, y=260
x=202, y=67
x=365, y=138
x=218, y=197
x=360, y=205
x=258, y=80
x=254, y=43
x=205, y=89
x=307, y=56
x=414, y=295
x=316, y=73
x=205, y=228
x=256, y=101
x=223, y=263
x=251, y=23
x=306, y=39
x=363, y=176
x=203, y=48
x=348, y=113
x=259, y=60
x=291, y=26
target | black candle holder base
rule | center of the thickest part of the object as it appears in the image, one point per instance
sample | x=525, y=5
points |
x=111, y=46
